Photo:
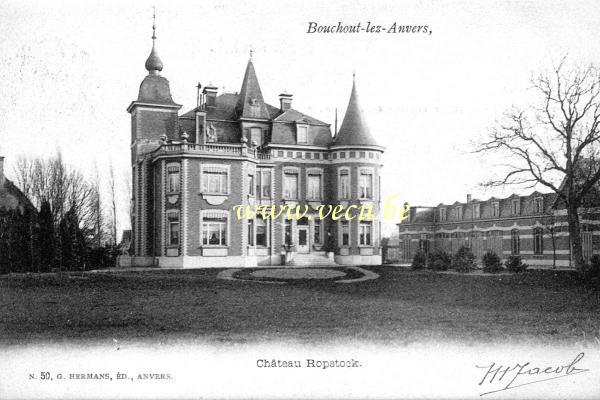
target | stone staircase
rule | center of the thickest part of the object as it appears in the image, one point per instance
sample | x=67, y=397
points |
x=314, y=259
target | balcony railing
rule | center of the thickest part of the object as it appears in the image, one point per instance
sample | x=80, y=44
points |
x=238, y=150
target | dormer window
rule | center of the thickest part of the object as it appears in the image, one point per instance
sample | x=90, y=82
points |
x=302, y=134
x=459, y=212
x=495, y=208
x=516, y=206
x=476, y=210
x=443, y=214
x=538, y=205
x=256, y=136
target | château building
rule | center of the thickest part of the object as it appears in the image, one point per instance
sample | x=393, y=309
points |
x=191, y=169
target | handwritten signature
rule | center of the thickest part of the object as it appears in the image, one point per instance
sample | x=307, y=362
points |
x=514, y=375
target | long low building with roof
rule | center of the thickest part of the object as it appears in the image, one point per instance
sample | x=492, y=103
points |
x=534, y=227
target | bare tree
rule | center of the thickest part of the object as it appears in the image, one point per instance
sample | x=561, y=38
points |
x=555, y=142
x=52, y=180
x=113, y=202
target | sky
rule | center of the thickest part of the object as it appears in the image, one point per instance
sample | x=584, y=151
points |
x=68, y=71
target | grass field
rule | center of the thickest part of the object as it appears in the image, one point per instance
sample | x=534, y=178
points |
x=401, y=306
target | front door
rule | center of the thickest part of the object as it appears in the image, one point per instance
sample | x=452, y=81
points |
x=303, y=246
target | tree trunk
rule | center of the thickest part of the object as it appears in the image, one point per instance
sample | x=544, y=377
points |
x=575, y=236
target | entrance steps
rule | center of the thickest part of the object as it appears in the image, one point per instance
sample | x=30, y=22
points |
x=314, y=259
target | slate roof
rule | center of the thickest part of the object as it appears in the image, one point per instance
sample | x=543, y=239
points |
x=155, y=89
x=354, y=129
x=230, y=107
x=226, y=110
x=294, y=116
x=250, y=101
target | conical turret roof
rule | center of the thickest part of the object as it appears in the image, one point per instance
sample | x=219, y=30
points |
x=354, y=129
x=251, y=103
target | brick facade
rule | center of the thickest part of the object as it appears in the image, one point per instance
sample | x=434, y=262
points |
x=190, y=171
x=533, y=227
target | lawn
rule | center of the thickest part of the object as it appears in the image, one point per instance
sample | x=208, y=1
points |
x=401, y=306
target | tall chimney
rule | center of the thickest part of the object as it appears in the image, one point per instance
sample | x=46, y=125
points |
x=285, y=101
x=199, y=98
x=468, y=198
x=210, y=92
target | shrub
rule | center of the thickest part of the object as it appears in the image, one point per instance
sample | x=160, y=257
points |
x=515, y=264
x=463, y=260
x=419, y=260
x=491, y=262
x=439, y=260
x=592, y=269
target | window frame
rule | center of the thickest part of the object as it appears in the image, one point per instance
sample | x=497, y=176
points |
x=251, y=183
x=210, y=217
x=443, y=214
x=259, y=182
x=169, y=174
x=221, y=169
x=315, y=172
x=459, y=213
x=515, y=242
x=362, y=236
x=344, y=171
x=301, y=128
x=515, y=210
x=371, y=173
x=476, y=207
x=538, y=241
x=288, y=170
x=538, y=205
x=173, y=218
x=343, y=224
x=495, y=208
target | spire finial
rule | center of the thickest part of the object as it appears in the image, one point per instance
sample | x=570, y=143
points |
x=153, y=63
x=353, y=76
x=251, y=51
x=153, y=24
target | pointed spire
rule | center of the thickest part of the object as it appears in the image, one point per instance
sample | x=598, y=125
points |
x=354, y=129
x=154, y=64
x=251, y=103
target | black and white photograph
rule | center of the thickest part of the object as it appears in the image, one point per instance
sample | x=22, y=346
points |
x=311, y=200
